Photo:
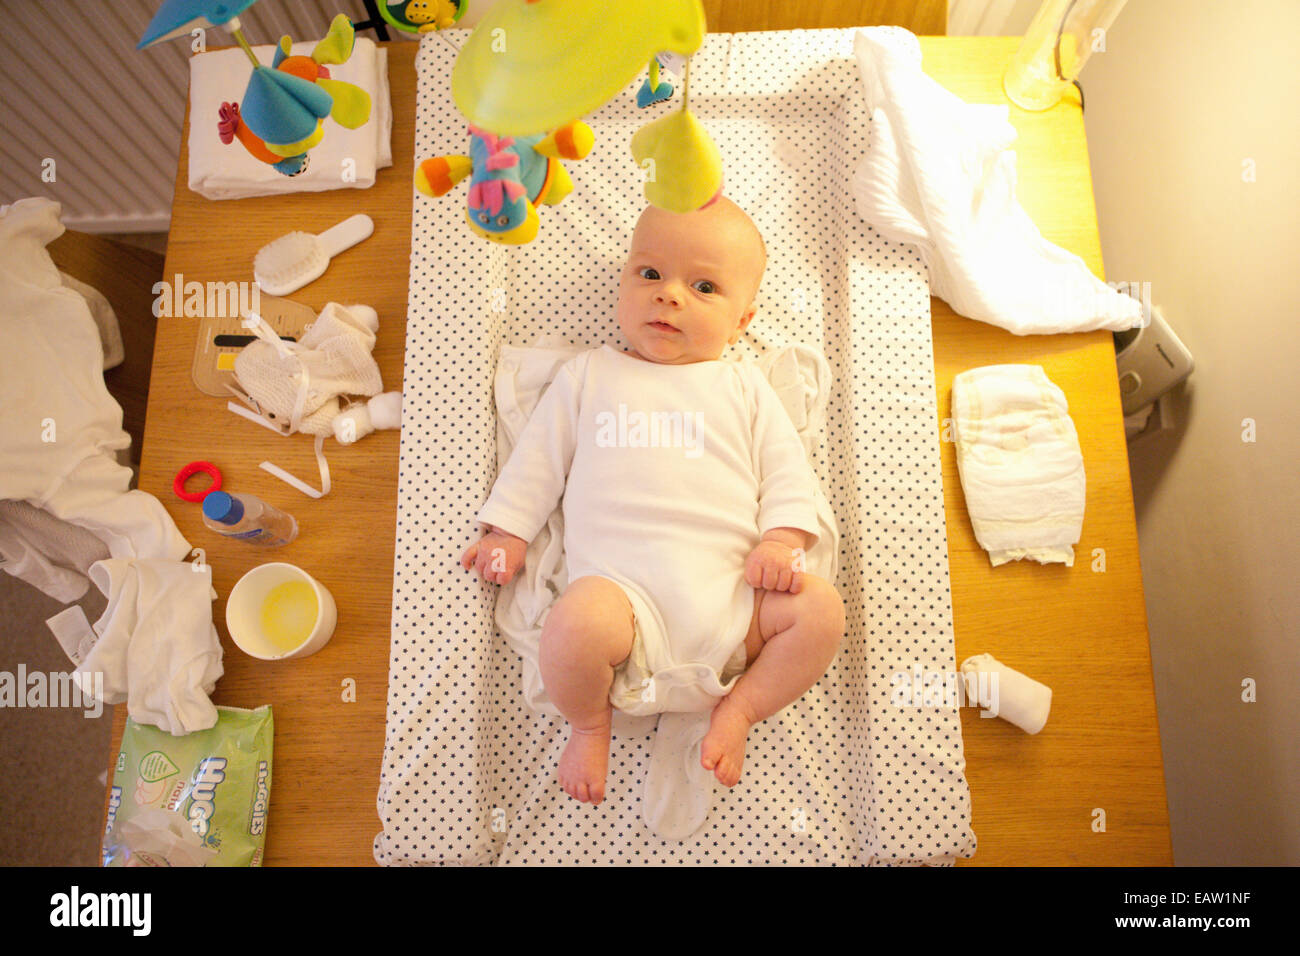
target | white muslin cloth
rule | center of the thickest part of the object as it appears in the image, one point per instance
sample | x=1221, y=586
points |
x=1005, y=692
x=60, y=429
x=1019, y=461
x=742, y=471
x=939, y=173
x=228, y=171
x=67, y=499
x=155, y=643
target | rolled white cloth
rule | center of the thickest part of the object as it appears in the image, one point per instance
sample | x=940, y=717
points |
x=1005, y=692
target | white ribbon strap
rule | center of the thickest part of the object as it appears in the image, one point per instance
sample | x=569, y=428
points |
x=298, y=483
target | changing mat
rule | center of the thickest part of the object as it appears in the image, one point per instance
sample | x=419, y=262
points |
x=854, y=771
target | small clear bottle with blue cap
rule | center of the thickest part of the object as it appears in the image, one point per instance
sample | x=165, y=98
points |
x=248, y=518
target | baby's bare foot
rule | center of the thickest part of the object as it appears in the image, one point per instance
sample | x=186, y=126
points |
x=584, y=762
x=723, y=747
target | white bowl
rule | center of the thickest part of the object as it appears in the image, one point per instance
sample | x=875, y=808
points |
x=244, y=608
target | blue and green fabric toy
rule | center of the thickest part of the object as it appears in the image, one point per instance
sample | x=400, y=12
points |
x=509, y=177
x=284, y=107
x=283, y=112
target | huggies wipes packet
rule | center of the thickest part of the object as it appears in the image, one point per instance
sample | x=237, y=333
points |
x=196, y=800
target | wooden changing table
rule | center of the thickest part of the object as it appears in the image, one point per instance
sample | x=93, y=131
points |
x=1083, y=633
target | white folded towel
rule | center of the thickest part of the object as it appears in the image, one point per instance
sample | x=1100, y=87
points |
x=939, y=174
x=1020, y=464
x=1005, y=692
x=228, y=171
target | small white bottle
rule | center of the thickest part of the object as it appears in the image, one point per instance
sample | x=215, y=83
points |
x=248, y=518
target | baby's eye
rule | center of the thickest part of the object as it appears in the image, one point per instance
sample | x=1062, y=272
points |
x=705, y=286
x=648, y=272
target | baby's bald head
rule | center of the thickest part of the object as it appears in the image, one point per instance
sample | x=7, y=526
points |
x=727, y=227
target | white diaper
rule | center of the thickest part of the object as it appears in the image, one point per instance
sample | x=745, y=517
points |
x=1019, y=461
x=639, y=689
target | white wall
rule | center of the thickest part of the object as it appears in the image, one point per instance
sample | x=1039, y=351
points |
x=1186, y=93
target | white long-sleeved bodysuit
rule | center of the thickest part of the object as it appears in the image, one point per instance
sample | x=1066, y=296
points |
x=670, y=476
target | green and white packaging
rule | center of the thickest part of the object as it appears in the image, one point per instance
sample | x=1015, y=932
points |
x=197, y=800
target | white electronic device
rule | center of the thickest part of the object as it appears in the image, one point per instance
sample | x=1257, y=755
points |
x=1151, y=360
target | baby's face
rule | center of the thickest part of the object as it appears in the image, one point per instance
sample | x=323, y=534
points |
x=688, y=288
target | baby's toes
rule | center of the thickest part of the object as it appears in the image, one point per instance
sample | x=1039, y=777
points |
x=710, y=752
x=728, y=771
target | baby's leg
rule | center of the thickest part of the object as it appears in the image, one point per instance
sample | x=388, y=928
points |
x=790, y=644
x=587, y=634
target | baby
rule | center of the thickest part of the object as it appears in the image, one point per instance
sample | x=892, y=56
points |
x=688, y=505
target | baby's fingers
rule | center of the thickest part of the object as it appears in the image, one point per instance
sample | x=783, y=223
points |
x=783, y=582
x=467, y=559
x=483, y=564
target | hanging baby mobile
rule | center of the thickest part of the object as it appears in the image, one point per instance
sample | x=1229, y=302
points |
x=527, y=73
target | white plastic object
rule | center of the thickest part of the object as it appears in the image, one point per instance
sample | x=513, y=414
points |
x=287, y=264
x=244, y=610
x=382, y=411
x=1150, y=361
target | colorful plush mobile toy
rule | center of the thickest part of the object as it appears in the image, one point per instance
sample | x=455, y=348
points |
x=509, y=177
x=283, y=111
x=421, y=16
x=563, y=58
x=655, y=89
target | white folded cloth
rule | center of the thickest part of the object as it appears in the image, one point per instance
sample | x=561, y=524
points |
x=155, y=643
x=1020, y=464
x=1005, y=692
x=939, y=174
x=228, y=171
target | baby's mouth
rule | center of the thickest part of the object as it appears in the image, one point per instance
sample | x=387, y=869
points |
x=664, y=327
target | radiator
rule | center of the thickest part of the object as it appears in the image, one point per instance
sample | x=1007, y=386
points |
x=94, y=123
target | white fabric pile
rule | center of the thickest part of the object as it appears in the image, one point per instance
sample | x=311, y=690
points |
x=940, y=174
x=65, y=499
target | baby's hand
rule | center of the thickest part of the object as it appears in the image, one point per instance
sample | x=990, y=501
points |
x=774, y=566
x=497, y=556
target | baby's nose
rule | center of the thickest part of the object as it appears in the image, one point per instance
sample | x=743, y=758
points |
x=668, y=295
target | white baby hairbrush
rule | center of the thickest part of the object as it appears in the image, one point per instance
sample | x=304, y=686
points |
x=287, y=264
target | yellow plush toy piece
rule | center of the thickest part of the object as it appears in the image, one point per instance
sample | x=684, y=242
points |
x=337, y=44
x=536, y=65
x=682, y=165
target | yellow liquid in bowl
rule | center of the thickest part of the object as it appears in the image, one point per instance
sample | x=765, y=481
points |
x=289, y=614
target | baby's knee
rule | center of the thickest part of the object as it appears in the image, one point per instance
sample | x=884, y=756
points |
x=593, y=612
x=822, y=607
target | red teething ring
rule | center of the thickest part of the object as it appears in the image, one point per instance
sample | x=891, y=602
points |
x=194, y=468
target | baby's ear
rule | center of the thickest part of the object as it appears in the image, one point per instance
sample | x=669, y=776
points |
x=745, y=318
